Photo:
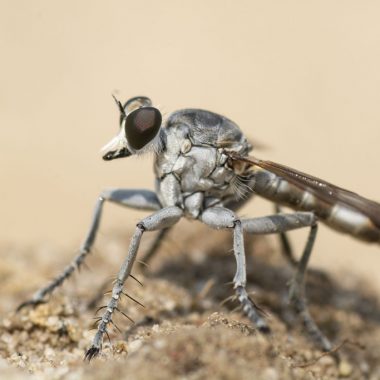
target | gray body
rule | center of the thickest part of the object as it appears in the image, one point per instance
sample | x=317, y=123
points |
x=196, y=178
x=193, y=172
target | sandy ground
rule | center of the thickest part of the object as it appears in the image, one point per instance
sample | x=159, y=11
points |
x=183, y=332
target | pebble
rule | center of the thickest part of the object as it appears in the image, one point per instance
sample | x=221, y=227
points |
x=121, y=346
x=270, y=374
x=135, y=345
x=326, y=361
x=345, y=369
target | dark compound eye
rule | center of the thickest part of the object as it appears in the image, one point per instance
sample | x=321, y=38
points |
x=142, y=125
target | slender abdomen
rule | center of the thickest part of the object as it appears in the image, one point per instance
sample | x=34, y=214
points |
x=337, y=215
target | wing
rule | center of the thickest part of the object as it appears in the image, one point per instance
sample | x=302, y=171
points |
x=323, y=190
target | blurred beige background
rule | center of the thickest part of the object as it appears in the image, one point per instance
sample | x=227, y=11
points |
x=302, y=77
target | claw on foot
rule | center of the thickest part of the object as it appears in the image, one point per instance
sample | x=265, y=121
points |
x=255, y=313
x=32, y=303
x=91, y=353
x=265, y=329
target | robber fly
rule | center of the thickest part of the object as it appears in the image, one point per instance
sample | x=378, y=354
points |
x=204, y=172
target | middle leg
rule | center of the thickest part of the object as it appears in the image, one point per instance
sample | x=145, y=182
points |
x=218, y=218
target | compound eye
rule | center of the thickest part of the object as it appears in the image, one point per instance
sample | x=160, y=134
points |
x=142, y=125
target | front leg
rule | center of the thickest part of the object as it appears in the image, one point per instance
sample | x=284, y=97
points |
x=137, y=199
x=164, y=218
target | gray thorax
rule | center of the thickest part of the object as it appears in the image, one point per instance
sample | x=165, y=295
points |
x=191, y=168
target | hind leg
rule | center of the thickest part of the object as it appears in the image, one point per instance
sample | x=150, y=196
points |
x=298, y=298
x=286, y=247
x=280, y=223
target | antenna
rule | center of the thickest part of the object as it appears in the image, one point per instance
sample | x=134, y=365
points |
x=121, y=108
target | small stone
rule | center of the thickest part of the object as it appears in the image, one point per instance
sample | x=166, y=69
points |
x=7, y=323
x=270, y=374
x=169, y=305
x=308, y=355
x=364, y=367
x=345, y=369
x=160, y=344
x=74, y=332
x=135, y=345
x=121, y=346
x=326, y=361
x=53, y=323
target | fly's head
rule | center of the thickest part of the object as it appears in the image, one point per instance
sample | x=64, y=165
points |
x=140, y=124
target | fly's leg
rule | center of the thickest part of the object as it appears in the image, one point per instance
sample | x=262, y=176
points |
x=147, y=257
x=219, y=217
x=161, y=219
x=138, y=199
x=288, y=253
x=298, y=298
x=286, y=222
x=286, y=247
x=249, y=307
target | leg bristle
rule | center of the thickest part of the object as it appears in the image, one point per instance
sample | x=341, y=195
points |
x=133, y=299
x=91, y=353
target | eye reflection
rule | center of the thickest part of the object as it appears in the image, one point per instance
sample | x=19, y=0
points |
x=142, y=125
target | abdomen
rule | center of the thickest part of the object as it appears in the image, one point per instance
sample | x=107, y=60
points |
x=336, y=215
